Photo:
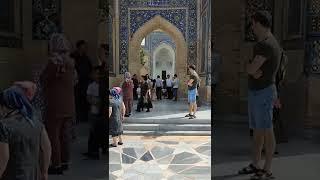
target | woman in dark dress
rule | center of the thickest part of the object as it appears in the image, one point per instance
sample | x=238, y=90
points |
x=148, y=99
x=58, y=86
x=116, y=116
x=24, y=144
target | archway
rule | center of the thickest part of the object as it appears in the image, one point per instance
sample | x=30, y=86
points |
x=159, y=64
x=181, y=46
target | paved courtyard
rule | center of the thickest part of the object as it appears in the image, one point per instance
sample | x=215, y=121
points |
x=160, y=158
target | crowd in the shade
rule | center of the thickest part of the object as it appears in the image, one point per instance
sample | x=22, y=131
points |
x=39, y=118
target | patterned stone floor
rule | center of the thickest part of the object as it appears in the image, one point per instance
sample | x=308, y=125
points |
x=159, y=158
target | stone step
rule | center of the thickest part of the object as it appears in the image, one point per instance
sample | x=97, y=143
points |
x=169, y=121
x=168, y=133
x=167, y=127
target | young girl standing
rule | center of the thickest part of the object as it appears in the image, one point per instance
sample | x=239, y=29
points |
x=116, y=115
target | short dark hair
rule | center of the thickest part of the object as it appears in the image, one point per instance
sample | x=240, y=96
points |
x=192, y=67
x=80, y=43
x=145, y=78
x=158, y=76
x=175, y=75
x=263, y=17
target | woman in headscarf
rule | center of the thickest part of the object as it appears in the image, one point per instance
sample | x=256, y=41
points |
x=59, y=79
x=127, y=89
x=116, y=116
x=24, y=144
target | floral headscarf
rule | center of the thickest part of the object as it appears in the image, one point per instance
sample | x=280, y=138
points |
x=115, y=93
x=127, y=76
x=15, y=98
x=58, y=48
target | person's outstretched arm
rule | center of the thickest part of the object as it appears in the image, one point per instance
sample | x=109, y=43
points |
x=123, y=110
x=45, y=154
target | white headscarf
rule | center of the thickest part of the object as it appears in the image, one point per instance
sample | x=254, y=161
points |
x=58, y=46
x=127, y=76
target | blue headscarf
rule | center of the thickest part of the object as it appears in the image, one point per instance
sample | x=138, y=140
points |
x=115, y=94
x=15, y=99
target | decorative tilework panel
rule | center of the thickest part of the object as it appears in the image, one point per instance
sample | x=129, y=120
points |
x=314, y=7
x=46, y=18
x=103, y=10
x=134, y=13
x=139, y=17
x=154, y=39
x=313, y=37
x=251, y=7
x=315, y=56
x=314, y=25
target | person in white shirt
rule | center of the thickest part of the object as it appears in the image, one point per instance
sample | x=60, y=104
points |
x=159, y=86
x=169, y=86
x=175, y=87
x=97, y=134
x=139, y=90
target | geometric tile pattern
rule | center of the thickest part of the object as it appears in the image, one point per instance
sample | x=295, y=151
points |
x=46, y=18
x=313, y=37
x=154, y=39
x=155, y=159
x=134, y=13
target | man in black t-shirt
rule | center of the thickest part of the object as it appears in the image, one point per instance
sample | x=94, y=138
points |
x=262, y=94
x=192, y=92
x=83, y=67
x=135, y=86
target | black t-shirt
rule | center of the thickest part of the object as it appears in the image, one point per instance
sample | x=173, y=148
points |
x=144, y=88
x=83, y=66
x=270, y=49
x=194, y=83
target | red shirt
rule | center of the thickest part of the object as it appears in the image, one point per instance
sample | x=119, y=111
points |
x=127, y=89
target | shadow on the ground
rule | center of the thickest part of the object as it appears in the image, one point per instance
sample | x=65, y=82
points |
x=231, y=176
x=233, y=144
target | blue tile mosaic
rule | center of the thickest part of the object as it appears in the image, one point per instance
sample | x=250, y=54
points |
x=134, y=13
x=312, y=64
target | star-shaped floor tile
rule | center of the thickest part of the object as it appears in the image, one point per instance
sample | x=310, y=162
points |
x=183, y=147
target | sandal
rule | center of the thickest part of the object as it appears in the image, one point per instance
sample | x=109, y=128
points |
x=113, y=145
x=262, y=174
x=249, y=170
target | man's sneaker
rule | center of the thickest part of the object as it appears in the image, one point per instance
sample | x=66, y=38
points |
x=188, y=115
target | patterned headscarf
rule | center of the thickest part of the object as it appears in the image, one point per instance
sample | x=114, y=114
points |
x=127, y=76
x=15, y=98
x=29, y=88
x=115, y=93
x=58, y=46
